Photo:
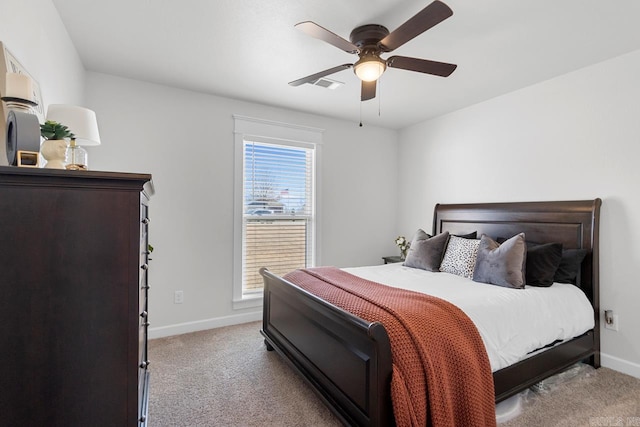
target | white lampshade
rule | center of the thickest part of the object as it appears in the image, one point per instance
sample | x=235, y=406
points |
x=81, y=122
x=369, y=68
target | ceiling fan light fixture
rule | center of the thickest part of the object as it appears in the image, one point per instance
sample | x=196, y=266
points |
x=369, y=68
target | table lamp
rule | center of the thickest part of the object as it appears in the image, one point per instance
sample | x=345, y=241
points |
x=84, y=125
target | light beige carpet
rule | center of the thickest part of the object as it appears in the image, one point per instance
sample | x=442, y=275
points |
x=225, y=377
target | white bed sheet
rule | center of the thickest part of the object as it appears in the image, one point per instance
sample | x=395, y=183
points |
x=511, y=322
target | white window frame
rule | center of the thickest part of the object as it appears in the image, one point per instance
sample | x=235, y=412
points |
x=279, y=133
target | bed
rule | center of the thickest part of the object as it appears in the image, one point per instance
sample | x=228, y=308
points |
x=312, y=334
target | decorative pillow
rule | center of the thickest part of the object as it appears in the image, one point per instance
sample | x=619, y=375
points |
x=425, y=252
x=420, y=235
x=460, y=256
x=542, y=263
x=570, y=264
x=501, y=264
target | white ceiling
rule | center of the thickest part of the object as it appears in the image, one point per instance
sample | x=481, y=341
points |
x=250, y=50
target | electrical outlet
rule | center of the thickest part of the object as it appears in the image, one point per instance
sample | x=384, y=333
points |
x=614, y=324
x=178, y=297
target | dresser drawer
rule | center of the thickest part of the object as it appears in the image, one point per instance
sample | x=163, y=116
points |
x=143, y=399
x=143, y=303
x=143, y=336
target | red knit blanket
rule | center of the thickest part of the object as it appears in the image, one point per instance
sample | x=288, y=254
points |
x=441, y=374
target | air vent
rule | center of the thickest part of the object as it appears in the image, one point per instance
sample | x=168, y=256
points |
x=327, y=83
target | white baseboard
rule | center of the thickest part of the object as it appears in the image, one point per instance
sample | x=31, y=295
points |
x=620, y=365
x=201, y=325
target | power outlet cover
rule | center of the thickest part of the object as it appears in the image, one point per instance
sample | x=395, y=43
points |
x=178, y=297
x=613, y=325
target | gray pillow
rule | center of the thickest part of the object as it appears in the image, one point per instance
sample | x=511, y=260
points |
x=425, y=252
x=501, y=264
x=421, y=235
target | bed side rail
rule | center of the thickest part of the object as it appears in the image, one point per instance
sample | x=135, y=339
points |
x=527, y=372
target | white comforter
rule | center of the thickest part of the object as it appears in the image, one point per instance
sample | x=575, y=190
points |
x=512, y=322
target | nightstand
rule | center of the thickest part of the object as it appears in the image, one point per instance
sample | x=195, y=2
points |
x=392, y=259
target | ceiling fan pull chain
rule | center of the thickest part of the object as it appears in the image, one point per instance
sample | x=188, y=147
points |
x=360, y=113
x=379, y=95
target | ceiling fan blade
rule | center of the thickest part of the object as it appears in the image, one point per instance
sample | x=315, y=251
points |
x=441, y=69
x=318, y=32
x=428, y=17
x=368, y=90
x=313, y=77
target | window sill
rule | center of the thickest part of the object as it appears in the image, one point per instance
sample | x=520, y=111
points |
x=248, y=302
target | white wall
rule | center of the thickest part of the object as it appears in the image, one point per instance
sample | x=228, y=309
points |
x=33, y=31
x=573, y=137
x=185, y=139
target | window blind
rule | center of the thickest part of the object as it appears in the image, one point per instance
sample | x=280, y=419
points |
x=278, y=210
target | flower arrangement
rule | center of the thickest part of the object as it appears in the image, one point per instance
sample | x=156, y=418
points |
x=403, y=244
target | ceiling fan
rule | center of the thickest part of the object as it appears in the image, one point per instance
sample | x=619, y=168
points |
x=371, y=40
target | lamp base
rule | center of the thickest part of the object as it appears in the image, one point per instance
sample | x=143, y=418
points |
x=77, y=157
x=76, y=167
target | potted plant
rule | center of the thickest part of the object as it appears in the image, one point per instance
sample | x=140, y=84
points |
x=54, y=147
x=54, y=130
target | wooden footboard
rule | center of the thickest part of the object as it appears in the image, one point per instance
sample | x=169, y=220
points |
x=346, y=360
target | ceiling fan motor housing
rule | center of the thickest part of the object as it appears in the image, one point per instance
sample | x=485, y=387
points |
x=368, y=36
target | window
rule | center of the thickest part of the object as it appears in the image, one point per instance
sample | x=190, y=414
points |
x=278, y=211
x=275, y=206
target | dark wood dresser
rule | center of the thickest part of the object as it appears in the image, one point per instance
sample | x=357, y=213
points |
x=73, y=302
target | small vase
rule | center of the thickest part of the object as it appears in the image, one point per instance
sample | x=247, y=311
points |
x=54, y=152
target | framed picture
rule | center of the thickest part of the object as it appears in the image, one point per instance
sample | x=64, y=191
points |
x=10, y=64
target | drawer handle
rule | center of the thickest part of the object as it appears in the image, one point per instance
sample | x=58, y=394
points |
x=144, y=364
x=144, y=314
x=145, y=267
x=146, y=324
x=142, y=419
x=145, y=221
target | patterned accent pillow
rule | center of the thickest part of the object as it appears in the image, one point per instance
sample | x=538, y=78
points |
x=460, y=256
